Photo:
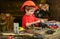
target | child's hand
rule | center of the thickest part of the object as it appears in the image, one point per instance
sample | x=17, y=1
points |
x=38, y=21
x=28, y=24
x=42, y=20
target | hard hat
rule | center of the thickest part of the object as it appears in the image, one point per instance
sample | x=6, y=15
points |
x=28, y=3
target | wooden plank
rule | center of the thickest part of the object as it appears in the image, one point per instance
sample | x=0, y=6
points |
x=26, y=34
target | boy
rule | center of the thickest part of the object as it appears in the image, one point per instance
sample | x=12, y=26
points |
x=28, y=19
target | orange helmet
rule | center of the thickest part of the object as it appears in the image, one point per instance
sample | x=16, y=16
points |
x=28, y=3
x=28, y=0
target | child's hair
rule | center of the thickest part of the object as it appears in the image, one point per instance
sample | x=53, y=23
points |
x=27, y=8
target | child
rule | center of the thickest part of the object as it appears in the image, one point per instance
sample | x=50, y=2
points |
x=28, y=19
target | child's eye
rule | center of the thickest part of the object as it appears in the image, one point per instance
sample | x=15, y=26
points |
x=31, y=11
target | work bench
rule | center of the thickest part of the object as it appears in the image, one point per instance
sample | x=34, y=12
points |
x=28, y=35
x=55, y=35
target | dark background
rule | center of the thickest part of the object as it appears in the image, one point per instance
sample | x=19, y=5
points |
x=13, y=7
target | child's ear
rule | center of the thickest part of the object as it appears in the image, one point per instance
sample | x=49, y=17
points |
x=26, y=10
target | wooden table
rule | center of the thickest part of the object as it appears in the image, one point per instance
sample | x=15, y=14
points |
x=55, y=35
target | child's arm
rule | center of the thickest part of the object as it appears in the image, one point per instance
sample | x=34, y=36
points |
x=29, y=24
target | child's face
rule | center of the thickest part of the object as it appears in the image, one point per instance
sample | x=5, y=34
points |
x=30, y=10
